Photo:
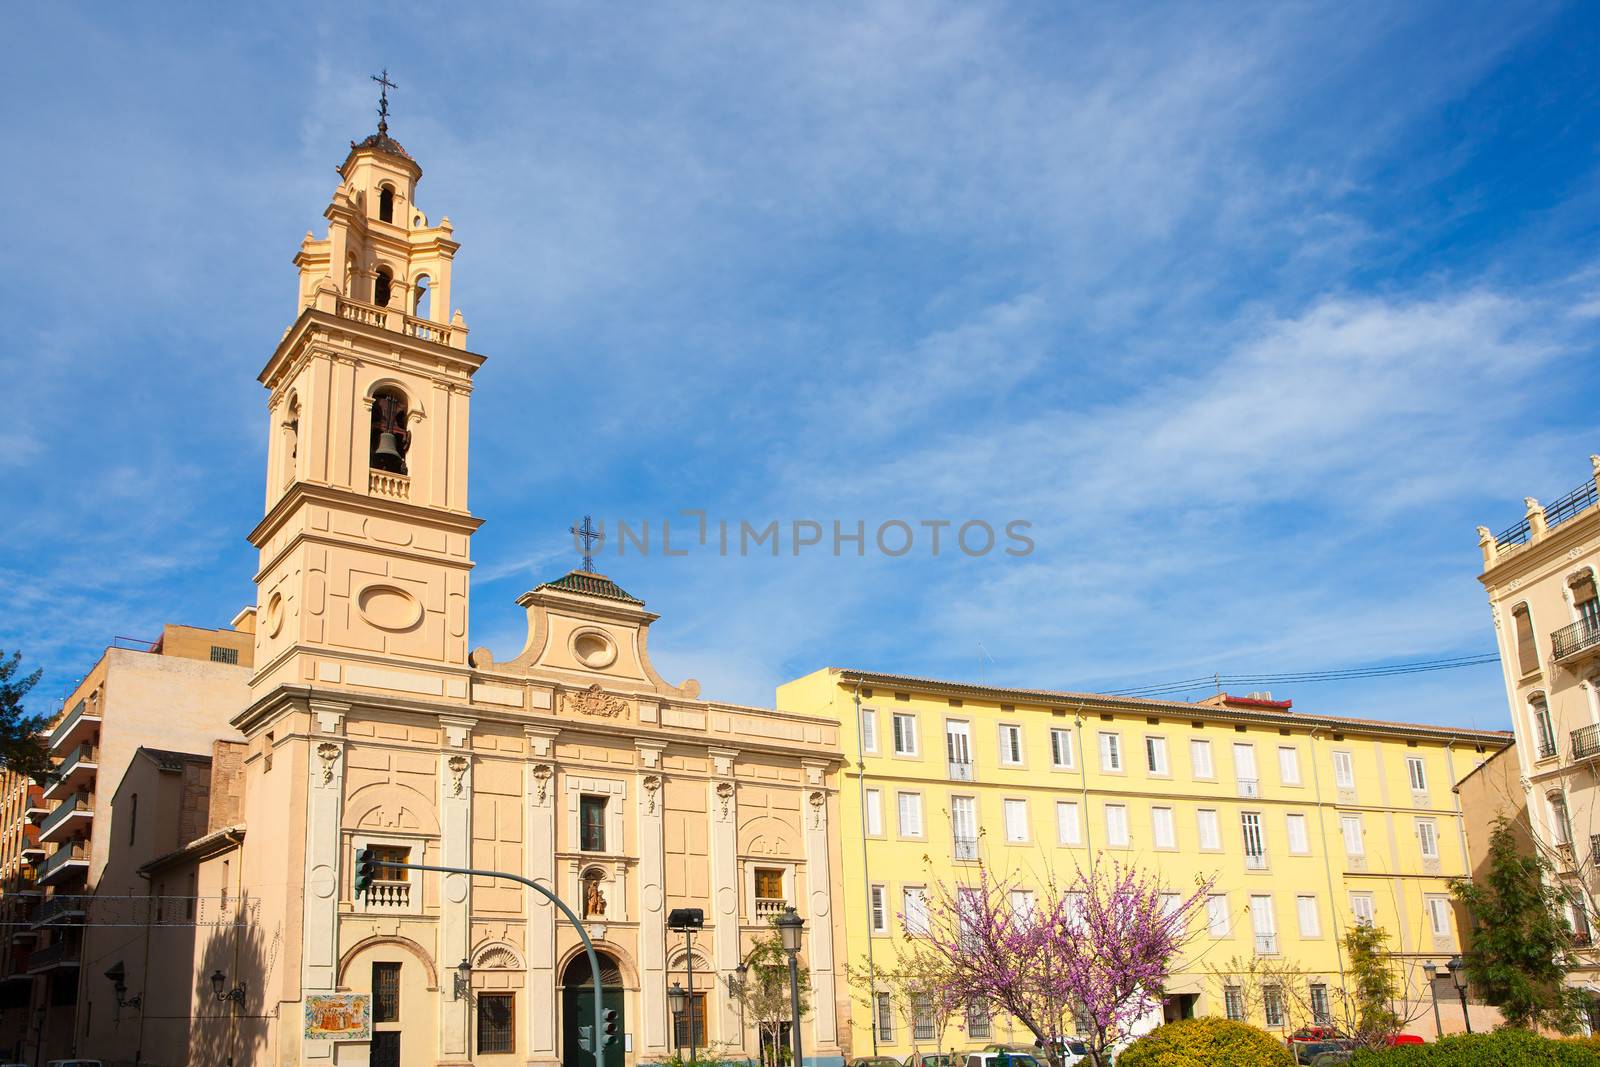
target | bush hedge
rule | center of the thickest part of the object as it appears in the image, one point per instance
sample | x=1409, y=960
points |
x=1211, y=1041
x=1500, y=1048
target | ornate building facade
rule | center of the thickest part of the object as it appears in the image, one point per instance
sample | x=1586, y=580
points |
x=373, y=723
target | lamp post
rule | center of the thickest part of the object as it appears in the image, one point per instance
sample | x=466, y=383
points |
x=676, y=996
x=233, y=998
x=463, y=979
x=1432, y=970
x=686, y=921
x=1458, y=973
x=790, y=926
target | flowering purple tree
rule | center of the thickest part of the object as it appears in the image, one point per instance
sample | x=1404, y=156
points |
x=1090, y=956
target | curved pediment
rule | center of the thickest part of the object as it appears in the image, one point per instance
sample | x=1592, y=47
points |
x=392, y=808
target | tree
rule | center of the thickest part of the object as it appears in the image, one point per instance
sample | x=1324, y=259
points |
x=1255, y=978
x=764, y=996
x=22, y=749
x=1375, y=986
x=1097, y=951
x=1521, y=942
x=918, y=984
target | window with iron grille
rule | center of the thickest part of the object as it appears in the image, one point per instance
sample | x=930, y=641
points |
x=978, y=1022
x=1272, y=1002
x=496, y=1023
x=883, y=1009
x=592, y=824
x=1319, y=1005
x=1233, y=1003
x=385, y=992
x=922, y=1018
x=220, y=654
x=694, y=1012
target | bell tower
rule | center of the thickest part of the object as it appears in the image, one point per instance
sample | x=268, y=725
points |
x=365, y=545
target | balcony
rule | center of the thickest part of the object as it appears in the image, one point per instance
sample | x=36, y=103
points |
x=1578, y=641
x=388, y=896
x=72, y=815
x=966, y=847
x=769, y=908
x=75, y=771
x=75, y=728
x=1249, y=787
x=1266, y=944
x=69, y=861
x=51, y=957
x=60, y=911
x=1255, y=861
x=961, y=770
x=1586, y=742
x=453, y=335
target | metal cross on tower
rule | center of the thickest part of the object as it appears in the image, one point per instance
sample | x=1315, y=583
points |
x=383, y=99
x=590, y=537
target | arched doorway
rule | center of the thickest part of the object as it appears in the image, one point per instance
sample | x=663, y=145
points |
x=577, y=1009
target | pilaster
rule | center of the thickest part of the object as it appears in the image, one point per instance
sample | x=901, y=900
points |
x=455, y=850
x=724, y=883
x=819, y=924
x=652, y=896
x=324, y=815
x=539, y=865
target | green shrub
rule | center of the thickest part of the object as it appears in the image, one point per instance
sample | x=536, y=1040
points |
x=1210, y=1041
x=1501, y=1048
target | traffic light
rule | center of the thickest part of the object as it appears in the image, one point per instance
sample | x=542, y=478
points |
x=366, y=867
x=609, y=1018
x=586, y=1038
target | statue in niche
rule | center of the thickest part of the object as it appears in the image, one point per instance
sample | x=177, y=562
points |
x=594, y=901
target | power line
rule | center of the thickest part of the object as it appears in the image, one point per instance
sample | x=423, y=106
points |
x=1307, y=677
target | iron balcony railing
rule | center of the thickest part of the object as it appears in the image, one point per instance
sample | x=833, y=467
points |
x=961, y=770
x=966, y=847
x=1266, y=944
x=1547, y=748
x=59, y=908
x=1579, y=637
x=1249, y=787
x=1586, y=741
x=58, y=954
x=79, y=802
x=1255, y=861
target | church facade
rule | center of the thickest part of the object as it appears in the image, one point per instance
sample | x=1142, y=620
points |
x=373, y=723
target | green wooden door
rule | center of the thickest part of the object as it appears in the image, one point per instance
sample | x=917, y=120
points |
x=578, y=1010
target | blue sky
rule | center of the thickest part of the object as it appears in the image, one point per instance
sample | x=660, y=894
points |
x=1253, y=311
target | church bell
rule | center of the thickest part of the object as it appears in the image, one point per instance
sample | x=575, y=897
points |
x=387, y=447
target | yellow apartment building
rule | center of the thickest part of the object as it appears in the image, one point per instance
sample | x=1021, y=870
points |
x=1540, y=577
x=1307, y=823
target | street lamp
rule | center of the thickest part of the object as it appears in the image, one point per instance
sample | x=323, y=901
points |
x=677, y=997
x=1432, y=971
x=235, y=995
x=790, y=926
x=1458, y=974
x=463, y=979
x=686, y=921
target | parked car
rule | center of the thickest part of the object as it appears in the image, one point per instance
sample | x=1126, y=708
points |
x=74, y=1063
x=1335, y=1058
x=1405, y=1039
x=875, y=1061
x=1308, y=1053
x=932, y=1059
x=1002, y=1058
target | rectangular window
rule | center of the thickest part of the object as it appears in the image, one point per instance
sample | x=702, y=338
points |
x=1068, y=830
x=769, y=883
x=1217, y=914
x=1011, y=745
x=914, y=910
x=910, y=814
x=1263, y=925
x=1362, y=909
x=1255, y=843
x=1155, y=754
x=1321, y=1013
x=874, y=812
x=385, y=992
x=1305, y=907
x=383, y=854
x=1272, y=1004
x=1289, y=765
x=1350, y=827
x=591, y=823
x=1344, y=770
x=905, y=734
x=1299, y=841
x=883, y=1013
x=1208, y=829
x=1110, y=752
x=1016, y=821
x=922, y=1017
x=880, y=909
x=497, y=1029
x=958, y=750
x=1439, y=916
x=1417, y=773
x=1428, y=837
x=1162, y=829
x=1244, y=769
x=1527, y=647
x=1022, y=904
x=1117, y=825
x=695, y=1016
x=220, y=654
x=1233, y=1003
x=977, y=1022
x=964, y=826
x=1061, y=756
x=1200, y=757
x=1544, y=727
x=869, y=730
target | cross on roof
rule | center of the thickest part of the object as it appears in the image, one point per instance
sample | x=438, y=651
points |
x=590, y=537
x=383, y=99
